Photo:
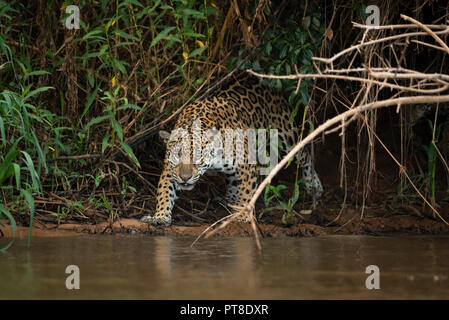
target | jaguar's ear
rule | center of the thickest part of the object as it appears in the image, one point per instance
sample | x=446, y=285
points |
x=165, y=135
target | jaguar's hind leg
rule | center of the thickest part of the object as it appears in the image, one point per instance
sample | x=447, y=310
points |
x=312, y=181
x=232, y=188
x=246, y=180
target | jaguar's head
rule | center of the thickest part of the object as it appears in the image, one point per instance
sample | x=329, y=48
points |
x=189, y=154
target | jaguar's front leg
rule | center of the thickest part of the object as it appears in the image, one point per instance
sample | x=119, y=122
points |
x=166, y=196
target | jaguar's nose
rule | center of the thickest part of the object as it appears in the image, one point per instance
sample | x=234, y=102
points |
x=185, y=172
x=185, y=176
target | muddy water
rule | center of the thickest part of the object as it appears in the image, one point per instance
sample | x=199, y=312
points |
x=143, y=267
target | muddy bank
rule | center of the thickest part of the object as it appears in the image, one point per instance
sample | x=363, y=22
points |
x=348, y=223
x=39, y=231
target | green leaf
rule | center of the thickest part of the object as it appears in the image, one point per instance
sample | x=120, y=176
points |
x=17, y=174
x=162, y=35
x=36, y=91
x=90, y=78
x=89, y=102
x=295, y=194
x=40, y=154
x=117, y=128
x=32, y=171
x=194, y=13
x=122, y=44
x=130, y=153
x=6, y=169
x=126, y=35
x=5, y=211
x=129, y=106
x=197, y=52
x=283, y=205
x=93, y=33
x=96, y=120
x=192, y=34
x=126, y=2
x=276, y=190
x=106, y=203
x=120, y=65
x=36, y=73
x=210, y=11
x=105, y=143
x=266, y=197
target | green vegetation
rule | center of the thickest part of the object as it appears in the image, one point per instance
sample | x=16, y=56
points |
x=431, y=153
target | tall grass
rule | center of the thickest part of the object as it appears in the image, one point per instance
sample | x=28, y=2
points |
x=19, y=146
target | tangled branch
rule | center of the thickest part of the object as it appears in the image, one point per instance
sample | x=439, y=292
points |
x=403, y=80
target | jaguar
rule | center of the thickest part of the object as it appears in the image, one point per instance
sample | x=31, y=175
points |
x=240, y=103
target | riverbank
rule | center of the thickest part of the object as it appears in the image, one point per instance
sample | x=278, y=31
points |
x=316, y=224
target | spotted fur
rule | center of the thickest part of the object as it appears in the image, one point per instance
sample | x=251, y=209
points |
x=240, y=103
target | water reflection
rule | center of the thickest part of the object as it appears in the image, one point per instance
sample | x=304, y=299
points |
x=226, y=268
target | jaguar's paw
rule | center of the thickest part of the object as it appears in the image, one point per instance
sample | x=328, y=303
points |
x=157, y=220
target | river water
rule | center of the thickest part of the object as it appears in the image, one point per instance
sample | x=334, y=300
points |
x=144, y=267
